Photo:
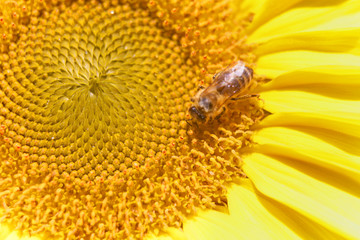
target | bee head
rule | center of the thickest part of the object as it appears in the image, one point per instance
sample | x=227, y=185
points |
x=198, y=115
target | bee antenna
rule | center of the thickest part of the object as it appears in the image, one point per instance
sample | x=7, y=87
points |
x=187, y=121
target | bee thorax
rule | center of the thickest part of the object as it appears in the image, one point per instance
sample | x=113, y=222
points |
x=206, y=103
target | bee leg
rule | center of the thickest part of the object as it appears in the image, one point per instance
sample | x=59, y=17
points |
x=193, y=123
x=245, y=97
x=220, y=114
x=200, y=87
x=187, y=121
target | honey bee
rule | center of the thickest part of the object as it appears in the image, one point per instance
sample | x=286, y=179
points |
x=231, y=83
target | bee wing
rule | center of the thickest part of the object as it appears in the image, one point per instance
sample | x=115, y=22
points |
x=228, y=88
x=227, y=82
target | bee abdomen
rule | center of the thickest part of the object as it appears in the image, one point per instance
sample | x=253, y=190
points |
x=247, y=76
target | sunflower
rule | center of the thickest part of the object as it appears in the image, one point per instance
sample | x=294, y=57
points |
x=95, y=142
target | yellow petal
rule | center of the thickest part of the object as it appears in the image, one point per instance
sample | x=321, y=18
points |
x=152, y=236
x=175, y=234
x=252, y=212
x=333, y=208
x=268, y=9
x=276, y=64
x=338, y=40
x=306, y=16
x=296, y=101
x=12, y=236
x=4, y=231
x=242, y=7
x=310, y=150
x=212, y=225
x=335, y=130
x=315, y=120
x=7, y=234
x=337, y=81
x=16, y=236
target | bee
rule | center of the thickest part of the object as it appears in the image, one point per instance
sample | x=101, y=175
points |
x=231, y=83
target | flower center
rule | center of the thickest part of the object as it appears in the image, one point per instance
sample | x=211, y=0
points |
x=94, y=139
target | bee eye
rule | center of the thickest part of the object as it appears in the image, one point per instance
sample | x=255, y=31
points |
x=195, y=113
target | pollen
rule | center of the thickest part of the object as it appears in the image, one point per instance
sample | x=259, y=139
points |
x=94, y=140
